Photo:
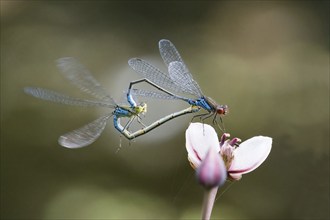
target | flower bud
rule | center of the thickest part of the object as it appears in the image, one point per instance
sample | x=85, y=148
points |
x=212, y=171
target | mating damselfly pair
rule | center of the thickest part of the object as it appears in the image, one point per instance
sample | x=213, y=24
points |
x=170, y=85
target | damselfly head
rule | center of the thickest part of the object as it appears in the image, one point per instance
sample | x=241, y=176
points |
x=222, y=109
x=141, y=108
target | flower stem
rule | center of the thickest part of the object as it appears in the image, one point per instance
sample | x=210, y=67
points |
x=209, y=197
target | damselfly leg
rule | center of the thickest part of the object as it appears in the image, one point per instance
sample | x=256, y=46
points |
x=215, y=121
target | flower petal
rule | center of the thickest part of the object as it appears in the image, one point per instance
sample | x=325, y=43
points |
x=199, y=139
x=250, y=154
x=234, y=177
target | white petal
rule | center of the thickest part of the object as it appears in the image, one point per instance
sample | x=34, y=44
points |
x=235, y=176
x=199, y=138
x=250, y=154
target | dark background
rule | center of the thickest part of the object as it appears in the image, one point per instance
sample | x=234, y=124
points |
x=267, y=60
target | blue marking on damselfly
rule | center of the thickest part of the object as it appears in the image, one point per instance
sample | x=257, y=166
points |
x=83, y=79
x=178, y=80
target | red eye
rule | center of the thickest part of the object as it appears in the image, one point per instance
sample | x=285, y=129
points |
x=222, y=110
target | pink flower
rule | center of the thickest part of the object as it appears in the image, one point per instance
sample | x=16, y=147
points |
x=211, y=170
x=238, y=159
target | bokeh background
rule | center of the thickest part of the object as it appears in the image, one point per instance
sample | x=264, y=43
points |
x=267, y=60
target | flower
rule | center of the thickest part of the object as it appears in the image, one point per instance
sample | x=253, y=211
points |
x=238, y=158
x=211, y=170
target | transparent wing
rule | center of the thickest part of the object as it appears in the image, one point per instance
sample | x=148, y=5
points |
x=80, y=76
x=181, y=76
x=85, y=135
x=49, y=95
x=153, y=74
x=152, y=94
x=170, y=54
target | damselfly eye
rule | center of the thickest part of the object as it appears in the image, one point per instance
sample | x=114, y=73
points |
x=220, y=111
x=223, y=110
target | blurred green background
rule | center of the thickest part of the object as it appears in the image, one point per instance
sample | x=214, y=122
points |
x=269, y=61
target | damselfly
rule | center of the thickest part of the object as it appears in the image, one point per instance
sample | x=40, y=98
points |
x=179, y=80
x=83, y=79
